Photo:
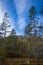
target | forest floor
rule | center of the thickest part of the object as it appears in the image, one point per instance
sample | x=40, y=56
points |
x=20, y=61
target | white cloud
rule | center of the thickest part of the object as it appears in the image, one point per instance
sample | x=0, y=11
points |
x=21, y=23
x=2, y=11
x=21, y=7
x=1, y=16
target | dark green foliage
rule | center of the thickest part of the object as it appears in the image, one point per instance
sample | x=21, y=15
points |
x=32, y=13
x=13, y=32
x=13, y=47
x=30, y=29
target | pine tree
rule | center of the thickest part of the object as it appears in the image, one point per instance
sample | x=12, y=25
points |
x=30, y=29
x=5, y=24
x=13, y=32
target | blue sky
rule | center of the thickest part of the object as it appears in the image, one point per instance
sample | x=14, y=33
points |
x=18, y=11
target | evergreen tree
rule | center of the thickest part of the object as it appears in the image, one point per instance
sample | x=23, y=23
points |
x=13, y=32
x=5, y=24
x=30, y=29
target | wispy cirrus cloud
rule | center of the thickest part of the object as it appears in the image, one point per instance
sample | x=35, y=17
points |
x=2, y=10
x=21, y=7
x=21, y=23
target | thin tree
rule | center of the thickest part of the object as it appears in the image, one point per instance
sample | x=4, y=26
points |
x=13, y=32
x=5, y=24
x=30, y=29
